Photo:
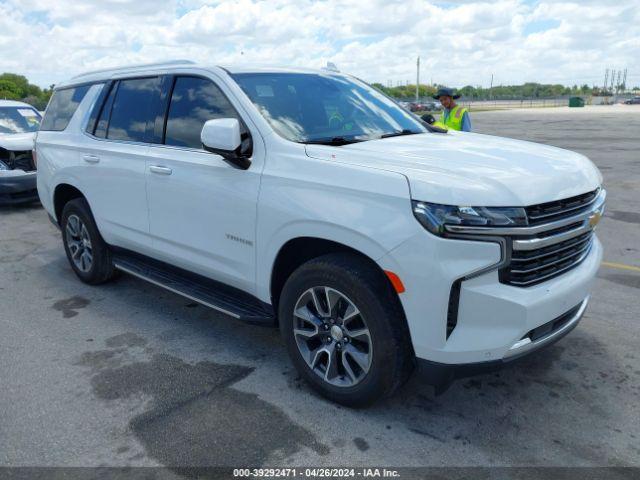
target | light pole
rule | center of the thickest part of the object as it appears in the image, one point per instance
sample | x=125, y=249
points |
x=417, y=79
x=491, y=87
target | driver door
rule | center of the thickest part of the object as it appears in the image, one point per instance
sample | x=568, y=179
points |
x=202, y=210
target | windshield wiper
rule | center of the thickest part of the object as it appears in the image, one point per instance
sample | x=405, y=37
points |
x=334, y=141
x=399, y=134
x=338, y=141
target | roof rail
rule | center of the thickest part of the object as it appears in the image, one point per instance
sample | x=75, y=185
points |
x=136, y=67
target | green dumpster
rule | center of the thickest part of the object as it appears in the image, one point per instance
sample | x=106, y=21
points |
x=576, y=102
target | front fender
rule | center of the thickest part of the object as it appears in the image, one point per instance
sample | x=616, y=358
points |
x=324, y=231
x=365, y=209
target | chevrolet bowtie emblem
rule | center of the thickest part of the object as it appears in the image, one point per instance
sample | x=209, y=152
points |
x=594, y=219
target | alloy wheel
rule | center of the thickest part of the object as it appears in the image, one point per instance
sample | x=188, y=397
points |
x=79, y=243
x=332, y=336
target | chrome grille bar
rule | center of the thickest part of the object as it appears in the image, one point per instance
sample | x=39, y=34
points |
x=549, y=264
x=591, y=196
x=537, y=243
x=563, y=246
x=538, y=279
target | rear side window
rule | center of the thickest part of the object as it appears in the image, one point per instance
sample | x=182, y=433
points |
x=62, y=106
x=103, y=119
x=193, y=102
x=131, y=114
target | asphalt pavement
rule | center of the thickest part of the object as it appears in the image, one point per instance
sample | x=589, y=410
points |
x=127, y=374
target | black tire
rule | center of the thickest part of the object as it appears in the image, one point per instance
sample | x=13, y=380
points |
x=392, y=358
x=101, y=268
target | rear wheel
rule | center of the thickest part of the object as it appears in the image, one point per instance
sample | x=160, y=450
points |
x=87, y=252
x=345, y=330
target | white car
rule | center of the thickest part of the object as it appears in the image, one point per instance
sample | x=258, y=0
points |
x=307, y=199
x=18, y=123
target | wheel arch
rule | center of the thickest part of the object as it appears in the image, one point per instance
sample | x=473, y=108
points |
x=299, y=250
x=62, y=194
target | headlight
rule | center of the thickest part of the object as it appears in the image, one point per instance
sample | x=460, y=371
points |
x=434, y=217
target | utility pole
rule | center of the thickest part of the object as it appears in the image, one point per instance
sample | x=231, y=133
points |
x=491, y=88
x=624, y=80
x=418, y=79
x=606, y=78
x=618, y=83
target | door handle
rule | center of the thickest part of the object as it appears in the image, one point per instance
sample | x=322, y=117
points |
x=91, y=158
x=160, y=170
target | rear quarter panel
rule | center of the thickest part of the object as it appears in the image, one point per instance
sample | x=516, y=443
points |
x=59, y=157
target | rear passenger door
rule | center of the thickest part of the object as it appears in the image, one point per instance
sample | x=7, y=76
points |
x=202, y=210
x=121, y=128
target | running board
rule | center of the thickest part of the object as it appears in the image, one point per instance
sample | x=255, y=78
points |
x=213, y=294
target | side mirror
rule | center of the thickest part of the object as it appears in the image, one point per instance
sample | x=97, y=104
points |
x=222, y=136
x=428, y=118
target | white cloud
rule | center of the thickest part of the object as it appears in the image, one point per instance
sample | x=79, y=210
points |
x=460, y=42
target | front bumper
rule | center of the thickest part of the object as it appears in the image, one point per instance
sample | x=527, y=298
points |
x=17, y=186
x=441, y=375
x=493, y=318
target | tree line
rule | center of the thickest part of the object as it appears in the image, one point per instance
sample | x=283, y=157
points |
x=17, y=87
x=500, y=92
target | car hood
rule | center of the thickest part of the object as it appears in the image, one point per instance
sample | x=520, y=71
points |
x=460, y=168
x=17, y=141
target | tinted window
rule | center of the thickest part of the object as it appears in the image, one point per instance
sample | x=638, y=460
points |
x=62, y=106
x=132, y=109
x=103, y=120
x=18, y=119
x=193, y=102
x=97, y=108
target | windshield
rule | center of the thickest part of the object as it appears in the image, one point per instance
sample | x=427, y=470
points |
x=325, y=108
x=18, y=120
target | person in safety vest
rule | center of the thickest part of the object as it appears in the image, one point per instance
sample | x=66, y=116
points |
x=454, y=117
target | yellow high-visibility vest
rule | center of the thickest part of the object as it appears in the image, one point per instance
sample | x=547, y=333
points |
x=454, y=120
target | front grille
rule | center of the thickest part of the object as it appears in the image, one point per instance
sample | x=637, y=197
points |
x=552, y=211
x=529, y=267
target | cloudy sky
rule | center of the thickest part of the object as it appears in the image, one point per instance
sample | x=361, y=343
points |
x=460, y=42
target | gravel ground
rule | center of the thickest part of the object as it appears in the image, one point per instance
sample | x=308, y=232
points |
x=129, y=374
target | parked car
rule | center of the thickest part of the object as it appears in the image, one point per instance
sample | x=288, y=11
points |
x=632, y=101
x=308, y=200
x=424, y=107
x=18, y=124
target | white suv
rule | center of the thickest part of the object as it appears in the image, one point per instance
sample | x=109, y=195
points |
x=309, y=200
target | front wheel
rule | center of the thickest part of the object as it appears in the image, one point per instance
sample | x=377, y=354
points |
x=345, y=329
